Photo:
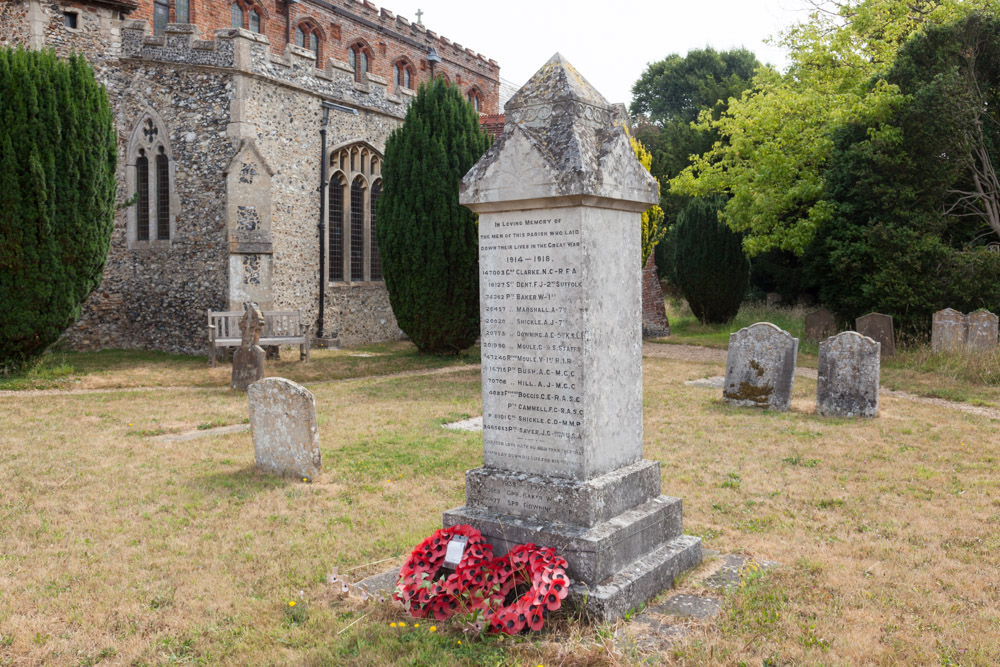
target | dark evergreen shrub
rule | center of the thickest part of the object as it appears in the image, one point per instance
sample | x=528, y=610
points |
x=709, y=266
x=428, y=241
x=57, y=197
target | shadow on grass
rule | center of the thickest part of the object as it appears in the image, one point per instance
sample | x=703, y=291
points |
x=240, y=484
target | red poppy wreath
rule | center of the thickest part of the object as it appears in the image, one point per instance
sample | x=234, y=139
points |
x=513, y=592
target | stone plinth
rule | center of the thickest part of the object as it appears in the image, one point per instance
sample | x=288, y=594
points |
x=820, y=324
x=848, y=376
x=879, y=328
x=560, y=197
x=285, y=435
x=760, y=367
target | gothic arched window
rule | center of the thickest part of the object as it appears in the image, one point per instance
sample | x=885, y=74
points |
x=475, y=99
x=149, y=176
x=402, y=76
x=359, y=58
x=237, y=15
x=307, y=35
x=355, y=186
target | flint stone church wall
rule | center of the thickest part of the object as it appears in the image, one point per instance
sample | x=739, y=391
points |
x=212, y=96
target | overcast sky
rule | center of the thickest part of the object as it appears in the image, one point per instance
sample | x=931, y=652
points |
x=609, y=42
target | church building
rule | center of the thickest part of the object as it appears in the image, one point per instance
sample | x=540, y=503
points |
x=251, y=137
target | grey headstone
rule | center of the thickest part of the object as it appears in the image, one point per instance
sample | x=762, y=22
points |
x=879, y=328
x=848, y=377
x=949, y=329
x=760, y=367
x=285, y=436
x=560, y=196
x=248, y=360
x=982, y=333
x=820, y=324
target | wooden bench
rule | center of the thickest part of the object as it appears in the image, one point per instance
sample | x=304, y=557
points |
x=281, y=327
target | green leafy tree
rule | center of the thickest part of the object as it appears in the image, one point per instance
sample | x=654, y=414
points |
x=914, y=199
x=653, y=228
x=57, y=197
x=709, y=266
x=777, y=138
x=428, y=241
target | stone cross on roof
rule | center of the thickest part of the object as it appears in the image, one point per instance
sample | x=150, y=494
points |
x=420, y=14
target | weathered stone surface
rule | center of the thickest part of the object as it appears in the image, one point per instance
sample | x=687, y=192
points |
x=820, y=324
x=848, y=377
x=285, y=435
x=654, y=313
x=879, y=328
x=734, y=569
x=474, y=424
x=559, y=198
x=714, y=382
x=689, y=606
x=949, y=329
x=760, y=367
x=982, y=331
x=248, y=361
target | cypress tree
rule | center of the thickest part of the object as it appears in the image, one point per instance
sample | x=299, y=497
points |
x=58, y=157
x=427, y=240
x=709, y=266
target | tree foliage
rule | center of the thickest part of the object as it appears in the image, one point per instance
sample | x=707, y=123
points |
x=709, y=266
x=653, y=228
x=776, y=139
x=58, y=157
x=428, y=241
x=912, y=198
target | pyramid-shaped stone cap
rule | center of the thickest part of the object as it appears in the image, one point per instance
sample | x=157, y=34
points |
x=560, y=141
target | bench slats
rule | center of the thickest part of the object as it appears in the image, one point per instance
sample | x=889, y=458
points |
x=281, y=327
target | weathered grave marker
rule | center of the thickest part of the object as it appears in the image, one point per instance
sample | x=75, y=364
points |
x=820, y=324
x=879, y=328
x=559, y=198
x=760, y=367
x=285, y=436
x=949, y=330
x=982, y=330
x=248, y=361
x=847, y=382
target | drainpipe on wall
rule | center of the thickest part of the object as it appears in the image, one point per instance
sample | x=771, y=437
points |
x=322, y=207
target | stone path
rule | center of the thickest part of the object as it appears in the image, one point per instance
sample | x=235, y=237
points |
x=656, y=628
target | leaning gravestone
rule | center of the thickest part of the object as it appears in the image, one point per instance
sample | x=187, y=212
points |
x=760, y=367
x=248, y=361
x=820, y=324
x=559, y=198
x=982, y=330
x=283, y=420
x=949, y=329
x=847, y=381
x=879, y=328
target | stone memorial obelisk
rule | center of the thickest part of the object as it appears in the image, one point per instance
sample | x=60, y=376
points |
x=560, y=196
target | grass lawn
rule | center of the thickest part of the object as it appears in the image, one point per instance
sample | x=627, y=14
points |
x=118, y=548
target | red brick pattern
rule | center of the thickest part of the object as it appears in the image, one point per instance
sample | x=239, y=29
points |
x=493, y=124
x=342, y=24
x=654, y=313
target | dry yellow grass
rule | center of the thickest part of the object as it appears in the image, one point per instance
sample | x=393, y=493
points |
x=118, y=549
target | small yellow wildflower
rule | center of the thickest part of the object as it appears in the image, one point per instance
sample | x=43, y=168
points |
x=392, y=625
x=291, y=603
x=416, y=625
x=402, y=625
x=459, y=642
x=434, y=628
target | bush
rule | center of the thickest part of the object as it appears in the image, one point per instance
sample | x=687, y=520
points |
x=428, y=241
x=58, y=157
x=708, y=266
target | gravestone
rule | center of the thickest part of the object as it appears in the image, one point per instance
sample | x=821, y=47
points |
x=820, y=324
x=848, y=376
x=982, y=330
x=760, y=367
x=949, y=329
x=283, y=420
x=654, y=312
x=879, y=328
x=560, y=196
x=248, y=360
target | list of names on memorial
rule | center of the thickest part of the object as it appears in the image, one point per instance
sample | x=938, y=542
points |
x=532, y=341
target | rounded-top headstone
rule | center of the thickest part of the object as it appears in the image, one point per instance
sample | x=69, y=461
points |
x=878, y=327
x=848, y=376
x=949, y=329
x=285, y=434
x=760, y=367
x=982, y=331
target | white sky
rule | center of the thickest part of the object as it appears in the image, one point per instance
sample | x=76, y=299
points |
x=609, y=42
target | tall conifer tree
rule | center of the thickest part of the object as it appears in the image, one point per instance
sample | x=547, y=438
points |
x=58, y=156
x=427, y=240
